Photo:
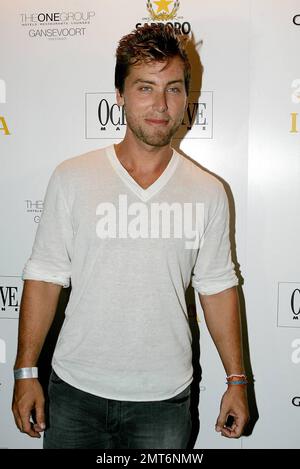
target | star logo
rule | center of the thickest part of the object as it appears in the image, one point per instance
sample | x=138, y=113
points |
x=165, y=10
x=163, y=5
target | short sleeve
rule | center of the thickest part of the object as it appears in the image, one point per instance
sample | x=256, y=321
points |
x=214, y=270
x=50, y=260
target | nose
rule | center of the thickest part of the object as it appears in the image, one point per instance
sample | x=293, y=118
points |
x=160, y=102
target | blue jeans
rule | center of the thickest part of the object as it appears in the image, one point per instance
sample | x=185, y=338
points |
x=81, y=420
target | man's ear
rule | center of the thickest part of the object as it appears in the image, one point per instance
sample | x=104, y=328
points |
x=120, y=98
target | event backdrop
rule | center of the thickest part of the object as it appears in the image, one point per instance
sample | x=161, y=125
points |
x=57, y=101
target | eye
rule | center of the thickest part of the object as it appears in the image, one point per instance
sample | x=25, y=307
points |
x=145, y=89
x=174, y=90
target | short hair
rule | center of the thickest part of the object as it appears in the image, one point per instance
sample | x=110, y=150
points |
x=155, y=42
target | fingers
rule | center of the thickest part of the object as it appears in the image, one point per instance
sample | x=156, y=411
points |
x=40, y=418
x=234, y=430
x=221, y=420
x=27, y=426
x=17, y=420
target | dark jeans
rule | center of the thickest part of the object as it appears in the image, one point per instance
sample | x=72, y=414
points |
x=81, y=420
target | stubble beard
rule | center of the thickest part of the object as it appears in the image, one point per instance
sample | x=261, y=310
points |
x=158, y=138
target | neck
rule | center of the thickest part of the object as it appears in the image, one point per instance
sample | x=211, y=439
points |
x=141, y=156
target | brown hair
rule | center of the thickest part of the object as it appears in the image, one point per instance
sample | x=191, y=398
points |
x=155, y=42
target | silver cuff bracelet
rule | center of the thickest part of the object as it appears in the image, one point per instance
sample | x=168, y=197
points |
x=23, y=373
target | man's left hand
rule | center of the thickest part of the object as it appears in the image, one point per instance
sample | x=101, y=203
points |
x=234, y=403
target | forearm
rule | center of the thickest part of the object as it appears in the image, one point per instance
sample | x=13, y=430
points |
x=37, y=311
x=222, y=317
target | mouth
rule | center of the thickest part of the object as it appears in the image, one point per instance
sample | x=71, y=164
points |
x=161, y=122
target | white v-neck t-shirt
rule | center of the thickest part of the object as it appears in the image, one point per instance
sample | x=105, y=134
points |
x=130, y=254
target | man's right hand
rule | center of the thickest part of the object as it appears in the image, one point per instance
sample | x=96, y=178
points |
x=29, y=398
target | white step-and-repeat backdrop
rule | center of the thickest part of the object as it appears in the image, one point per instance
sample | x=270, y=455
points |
x=57, y=101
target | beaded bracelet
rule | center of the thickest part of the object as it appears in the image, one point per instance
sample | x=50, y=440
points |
x=240, y=381
x=238, y=376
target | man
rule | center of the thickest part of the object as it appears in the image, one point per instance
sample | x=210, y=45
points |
x=130, y=225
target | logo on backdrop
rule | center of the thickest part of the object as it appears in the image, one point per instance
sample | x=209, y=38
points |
x=10, y=295
x=166, y=11
x=2, y=351
x=35, y=208
x=296, y=20
x=57, y=25
x=163, y=10
x=295, y=97
x=288, y=314
x=296, y=353
x=296, y=401
x=295, y=303
x=104, y=119
x=4, y=130
x=2, y=91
